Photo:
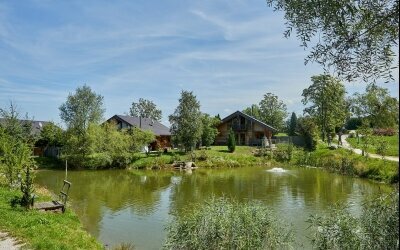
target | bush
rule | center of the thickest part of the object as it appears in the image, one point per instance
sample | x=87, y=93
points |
x=224, y=224
x=231, y=141
x=353, y=123
x=283, y=152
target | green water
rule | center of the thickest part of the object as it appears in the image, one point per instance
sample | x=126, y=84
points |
x=119, y=206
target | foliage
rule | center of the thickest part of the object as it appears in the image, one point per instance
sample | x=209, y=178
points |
x=283, y=152
x=186, y=122
x=231, y=141
x=108, y=147
x=377, y=107
x=355, y=38
x=15, y=145
x=140, y=138
x=224, y=224
x=80, y=110
x=292, y=124
x=51, y=135
x=353, y=123
x=20, y=130
x=270, y=110
x=376, y=228
x=381, y=147
x=145, y=108
x=307, y=128
x=209, y=131
x=43, y=230
x=27, y=187
x=328, y=105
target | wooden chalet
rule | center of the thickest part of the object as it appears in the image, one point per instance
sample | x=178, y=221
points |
x=248, y=130
x=162, y=133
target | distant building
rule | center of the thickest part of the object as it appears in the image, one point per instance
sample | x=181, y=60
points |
x=162, y=132
x=248, y=130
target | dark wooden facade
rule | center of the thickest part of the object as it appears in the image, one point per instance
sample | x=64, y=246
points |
x=248, y=130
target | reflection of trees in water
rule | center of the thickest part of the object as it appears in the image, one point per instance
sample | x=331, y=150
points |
x=114, y=189
x=310, y=186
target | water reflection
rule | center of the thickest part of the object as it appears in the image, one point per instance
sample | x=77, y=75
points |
x=133, y=206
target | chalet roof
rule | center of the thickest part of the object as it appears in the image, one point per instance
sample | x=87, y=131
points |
x=248, y=117
x=144, y=123
x=36, y=125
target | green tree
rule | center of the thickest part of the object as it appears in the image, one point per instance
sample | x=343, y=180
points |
x=186, y=122
x=209, y=131
x=51, y=135
x=270, y=110
x=377, y=107
x=292, y=124
x=328, y=104
x=253, y=111
x=145, y=108
x=231, y=141
x=16, y=144
x=78, y=112
x=355, y=38
x=307, y=128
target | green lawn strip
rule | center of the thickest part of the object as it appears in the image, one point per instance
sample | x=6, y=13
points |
x=43, y=230
x=393, y=144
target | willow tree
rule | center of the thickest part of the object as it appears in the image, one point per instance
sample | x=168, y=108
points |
x=328, y=106
x=357, y=39
x=186, y=122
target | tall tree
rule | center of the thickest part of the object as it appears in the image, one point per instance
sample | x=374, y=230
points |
x=209, y=131
x=145, y=108
x=328, y=104
x=273, y=111
x=270, y=110
x=355, y=38
x=254, y=111
x=292, y=124
x=377, y=106
x=186, y=125
x=78, y=112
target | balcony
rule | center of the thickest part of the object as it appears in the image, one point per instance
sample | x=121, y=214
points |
x=239, y=127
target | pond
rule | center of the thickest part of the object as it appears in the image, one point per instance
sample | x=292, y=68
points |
x=119, y=206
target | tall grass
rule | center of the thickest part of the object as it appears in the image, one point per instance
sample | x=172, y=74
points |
x=376, y=228
x=224, y=224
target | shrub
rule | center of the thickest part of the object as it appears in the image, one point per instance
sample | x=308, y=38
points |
x=353, y=123
x=231, y=141
x=283, y=152
x=224, y=224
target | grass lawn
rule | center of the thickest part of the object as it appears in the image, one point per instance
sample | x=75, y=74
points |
x=393, y=144
x=43, y=230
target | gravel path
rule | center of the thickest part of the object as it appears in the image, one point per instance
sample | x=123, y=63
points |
x=359, y=151
x=8, y=243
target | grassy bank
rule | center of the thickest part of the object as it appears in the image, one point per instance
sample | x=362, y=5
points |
x=346, y=162
x=217, y=156
x=392, y=144
x=43, y=230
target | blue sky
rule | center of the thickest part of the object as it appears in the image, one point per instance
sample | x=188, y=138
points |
x=229, y=53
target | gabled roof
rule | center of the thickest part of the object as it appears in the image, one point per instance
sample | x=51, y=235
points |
x=143, y=123
x=248, y=117
x=37, y=126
